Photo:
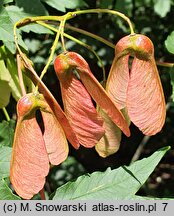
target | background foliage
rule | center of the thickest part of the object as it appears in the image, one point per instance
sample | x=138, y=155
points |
x=153, y=18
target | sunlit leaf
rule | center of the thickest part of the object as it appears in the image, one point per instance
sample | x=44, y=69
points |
x=5, y=157
x=118, y=184
x=4, y=74
x=6, y=27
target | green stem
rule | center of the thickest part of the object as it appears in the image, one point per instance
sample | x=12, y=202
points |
x=71, y=15
x=165, y=64
x=66, y=17
x=62, y=26
x=53, y=48
x=28, y=20
x=6, y=113
x=62, y=20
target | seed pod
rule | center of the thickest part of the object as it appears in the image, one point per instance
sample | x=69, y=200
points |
x=32, y=149
x=139, y=88
x=77, y=95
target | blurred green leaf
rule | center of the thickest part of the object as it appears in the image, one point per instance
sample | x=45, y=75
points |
x=4, y=93
x=4, y=75
x=6, y=192
x=8, y=72
x=172, y=82
x=33, y=45
x=5, y=157
x=6, y=133
x=124, y=6
x=5, y=89
x=14, y=80
x=162, y=7
x=61, y=5
x=111, y=184
x=105, y=4
x=169, y=43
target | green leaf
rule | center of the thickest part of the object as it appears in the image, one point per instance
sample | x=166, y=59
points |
x=4, y=93
x=61, y=5
x=121, y=183
x=5, y=89
x=34, y=8
x=10, y=46
x=7, y=129
x=15, y=13
x=5, y=157
x=4, y=75
x=14, y=81
x=6, y=26
x=6, y=192
x=162, y=7
x=9, y=73
x=68, y=170
x=169, y=43
x=6, y=31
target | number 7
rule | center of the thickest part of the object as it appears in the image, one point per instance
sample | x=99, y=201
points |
x=165, y=205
